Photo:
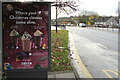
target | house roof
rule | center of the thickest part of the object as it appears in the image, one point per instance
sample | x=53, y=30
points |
x=102, y=19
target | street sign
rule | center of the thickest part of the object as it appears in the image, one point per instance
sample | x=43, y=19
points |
x=26, y=36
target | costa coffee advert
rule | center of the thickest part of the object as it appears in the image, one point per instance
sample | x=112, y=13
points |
x=25, y=35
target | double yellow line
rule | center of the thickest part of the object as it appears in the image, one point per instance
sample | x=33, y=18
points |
x=107, y=74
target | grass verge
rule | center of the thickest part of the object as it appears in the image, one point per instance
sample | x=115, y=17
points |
x=60, y=51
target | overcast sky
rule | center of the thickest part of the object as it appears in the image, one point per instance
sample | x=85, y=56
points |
x=102, y=7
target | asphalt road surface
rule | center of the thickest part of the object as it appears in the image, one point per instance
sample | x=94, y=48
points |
x=98, y=51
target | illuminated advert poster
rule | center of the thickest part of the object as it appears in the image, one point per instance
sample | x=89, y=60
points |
x=25, y=35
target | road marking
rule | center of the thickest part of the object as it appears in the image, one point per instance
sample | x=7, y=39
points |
x=82, y=66
x=116, y=73
x=106, y=73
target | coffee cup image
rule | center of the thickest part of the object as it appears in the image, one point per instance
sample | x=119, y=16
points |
x=38, y=35
x=14, y=39
x=26, y=42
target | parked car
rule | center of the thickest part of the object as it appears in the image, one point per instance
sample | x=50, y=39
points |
x=99, y=25
x=82, y=24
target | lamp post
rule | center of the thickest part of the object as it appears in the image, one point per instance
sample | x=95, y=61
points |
x=56, y=16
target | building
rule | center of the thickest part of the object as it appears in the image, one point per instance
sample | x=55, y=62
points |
x=63, y=21
x=106, y=21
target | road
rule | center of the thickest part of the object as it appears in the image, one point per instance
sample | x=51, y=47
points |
x=98, y=51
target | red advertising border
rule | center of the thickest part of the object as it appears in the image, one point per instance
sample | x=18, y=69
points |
x=49, y=41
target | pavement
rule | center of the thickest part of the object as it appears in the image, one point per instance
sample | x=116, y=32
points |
x=63, y=74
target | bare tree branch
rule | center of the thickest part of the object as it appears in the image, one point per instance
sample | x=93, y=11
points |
x=63, y=6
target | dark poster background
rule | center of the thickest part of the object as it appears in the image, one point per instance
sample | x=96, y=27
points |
x=25, y=35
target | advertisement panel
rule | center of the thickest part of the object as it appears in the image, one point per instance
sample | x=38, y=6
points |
x=26, y=35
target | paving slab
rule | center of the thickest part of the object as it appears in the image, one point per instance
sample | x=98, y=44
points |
x=64, y=74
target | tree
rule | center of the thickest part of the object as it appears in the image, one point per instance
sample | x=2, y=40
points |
x=82, y=19
x=88, y=17
x=62, y=6
x=88, y=13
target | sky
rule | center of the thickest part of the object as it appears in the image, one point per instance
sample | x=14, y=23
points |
x=102, y=7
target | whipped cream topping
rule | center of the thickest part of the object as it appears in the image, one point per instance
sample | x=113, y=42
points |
x=14, y=33
x=26, y=35
x=38, y=33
